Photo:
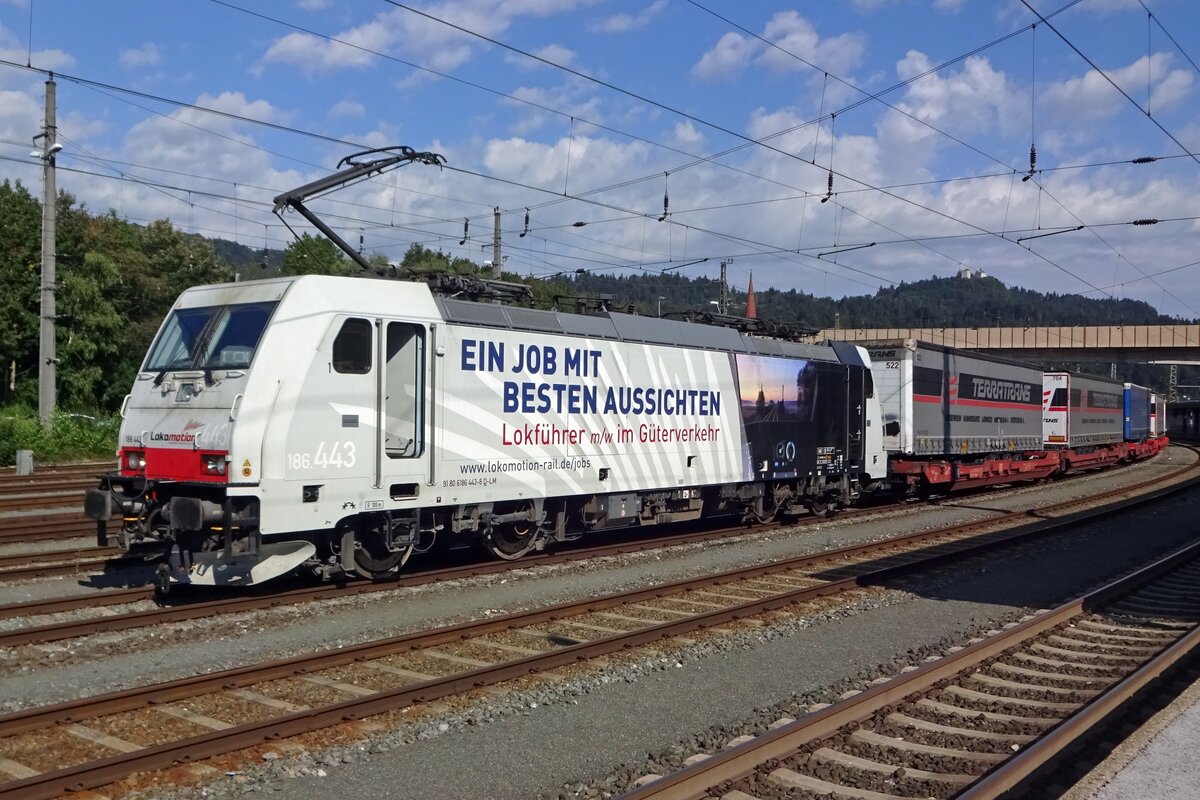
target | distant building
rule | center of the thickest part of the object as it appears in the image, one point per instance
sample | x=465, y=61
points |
x=968, y=273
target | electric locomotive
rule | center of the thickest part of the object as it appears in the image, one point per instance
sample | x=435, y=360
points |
x=342, y=424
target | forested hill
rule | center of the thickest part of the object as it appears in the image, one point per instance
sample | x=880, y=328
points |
x=936, y=302
x=117, y=279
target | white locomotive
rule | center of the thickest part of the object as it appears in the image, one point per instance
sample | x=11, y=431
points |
x=344, y=423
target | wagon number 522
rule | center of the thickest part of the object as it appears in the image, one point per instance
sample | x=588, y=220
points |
x=335, y=454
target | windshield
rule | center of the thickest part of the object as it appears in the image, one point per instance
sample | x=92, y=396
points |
x=216, y=337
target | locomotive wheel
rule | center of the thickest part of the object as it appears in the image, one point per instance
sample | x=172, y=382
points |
x=512, y=540
x=162, y=580
x=771, y=503
x=822, y=507
x=372, y=558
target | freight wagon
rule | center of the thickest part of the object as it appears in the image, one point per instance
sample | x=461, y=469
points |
x=954, y=419
x=1137, y=413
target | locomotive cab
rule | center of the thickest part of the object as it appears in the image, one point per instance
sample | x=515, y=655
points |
x=258, y=425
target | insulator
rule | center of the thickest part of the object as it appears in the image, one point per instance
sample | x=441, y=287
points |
x=828, y=188
x=466, y=229
x=1144, y=160
x=524, y=232
x=1032, y=159
x=666, y=205
x=1145, y=222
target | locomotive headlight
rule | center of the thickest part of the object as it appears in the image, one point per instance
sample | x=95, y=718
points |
x=135, y=460
x=213, y=464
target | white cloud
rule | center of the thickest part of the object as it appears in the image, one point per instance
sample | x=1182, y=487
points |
x=20, y=115
x=571, y=98
x=731, y=54
x=410, y=36
x=22, y=91
x=12, y=49
x=313, y=54
x=686, y=135
x=794, y=38
x=1091, y=97
x=313, y=5
x=554, y=53
x=347, y=108
x=623, y=23
x=791, y=32
x=147, y=55
x=976, y=98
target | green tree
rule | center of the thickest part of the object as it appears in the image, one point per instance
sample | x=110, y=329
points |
x=313, y=255
x=20, y=274
x=95, y=362
x=420, y=259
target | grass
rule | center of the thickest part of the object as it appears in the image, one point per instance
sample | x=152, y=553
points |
x=71, y=437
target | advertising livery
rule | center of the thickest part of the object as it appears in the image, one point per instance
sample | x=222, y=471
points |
x=345, y=423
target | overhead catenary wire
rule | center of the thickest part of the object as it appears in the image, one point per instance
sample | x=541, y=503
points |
x=749, y=141
x=1109, y=80
x=707, y=123
x=878, y=97
x=845, y=189
x=776, y=251
x=1163, y=28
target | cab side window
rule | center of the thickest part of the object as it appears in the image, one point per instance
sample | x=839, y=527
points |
x=404, y=390
x=352, y=347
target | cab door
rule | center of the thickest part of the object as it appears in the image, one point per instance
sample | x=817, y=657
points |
x=402, y=452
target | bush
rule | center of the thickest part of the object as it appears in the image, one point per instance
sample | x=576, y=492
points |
x=72, y=437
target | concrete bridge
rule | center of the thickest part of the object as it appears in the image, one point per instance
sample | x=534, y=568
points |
x=1138, y=344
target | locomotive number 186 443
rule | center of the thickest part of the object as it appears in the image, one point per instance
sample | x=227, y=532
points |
x=328, y=454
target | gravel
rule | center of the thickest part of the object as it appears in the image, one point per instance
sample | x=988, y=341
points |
x=595, y=733
x=42, y=674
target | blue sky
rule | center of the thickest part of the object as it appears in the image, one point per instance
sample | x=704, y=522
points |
x=738, y=111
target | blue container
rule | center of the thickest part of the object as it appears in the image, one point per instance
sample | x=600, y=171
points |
x=1137, y=413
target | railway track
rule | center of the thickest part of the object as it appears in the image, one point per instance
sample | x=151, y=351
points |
x=18, y=491
x=47, y=527
x=845, y=558
x=48, y=488
x=8, y=475
x=71, y=561
x=90, y=742
x=978, y=723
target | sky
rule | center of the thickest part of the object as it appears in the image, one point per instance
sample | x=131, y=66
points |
x=831, y=148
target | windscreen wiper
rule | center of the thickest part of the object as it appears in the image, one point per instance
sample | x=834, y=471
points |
x=162, y=373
